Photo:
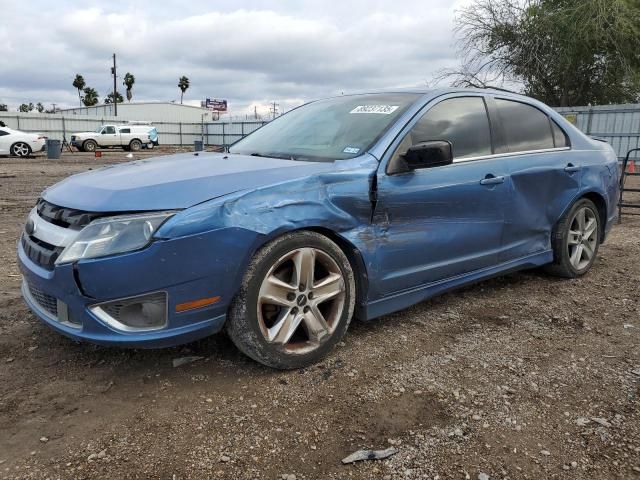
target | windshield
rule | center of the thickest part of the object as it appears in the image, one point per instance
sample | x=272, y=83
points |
x=99, y=129
x=326, y=130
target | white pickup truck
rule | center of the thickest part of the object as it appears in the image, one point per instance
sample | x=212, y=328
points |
x=129, y=137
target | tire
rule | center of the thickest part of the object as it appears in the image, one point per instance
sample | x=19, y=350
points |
x=575, y=240
x=126, y=148
x=303, y=324
x=20, y=149
x=89, y=146
x=135, y=145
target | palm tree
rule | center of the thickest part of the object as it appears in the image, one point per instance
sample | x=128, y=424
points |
x=90, y=97
x=109, y=98
x=129, y=80
x=79, y=84
x=183, y=84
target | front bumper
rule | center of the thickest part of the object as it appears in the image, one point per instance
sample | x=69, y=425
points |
x=172, y=266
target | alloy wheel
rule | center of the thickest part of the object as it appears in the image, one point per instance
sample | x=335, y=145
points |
x=583, y=238
x=20, y=149
x=301, y=300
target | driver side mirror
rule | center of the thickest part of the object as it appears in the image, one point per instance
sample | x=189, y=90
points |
x=435, y=153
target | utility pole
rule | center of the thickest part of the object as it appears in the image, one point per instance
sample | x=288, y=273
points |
x=255, y=112
x=115, y=96
x=274, y=109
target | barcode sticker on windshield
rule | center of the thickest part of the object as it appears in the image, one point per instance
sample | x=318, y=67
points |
x=350, y=150
x=382, y=109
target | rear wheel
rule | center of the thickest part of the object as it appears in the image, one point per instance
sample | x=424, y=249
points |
x=135, y=145
x=576, y=239
x=295, y=303
x=89, y=146
x=20, y=149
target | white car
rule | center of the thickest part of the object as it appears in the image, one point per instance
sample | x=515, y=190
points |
x=20, y=144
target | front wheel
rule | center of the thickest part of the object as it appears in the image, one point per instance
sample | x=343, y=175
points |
x=295, y=303
x=20, y=149
x=89, y=146
x=575, y=240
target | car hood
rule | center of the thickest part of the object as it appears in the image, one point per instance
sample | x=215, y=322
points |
x=84, y=134
x=173, y=182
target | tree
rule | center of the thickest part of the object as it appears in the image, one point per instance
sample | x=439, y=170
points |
x=90, y=97
x=79, y=84
x=25, y=108
x=562, y=52
x=183, y=85
x=3, y=107
x=39, y=107
x=129, y=80
x=109, y=98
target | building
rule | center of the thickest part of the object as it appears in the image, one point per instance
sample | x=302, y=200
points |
x=158, y=112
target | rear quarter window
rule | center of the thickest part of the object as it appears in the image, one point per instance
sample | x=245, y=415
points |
x=125, y=130
x=560, y=138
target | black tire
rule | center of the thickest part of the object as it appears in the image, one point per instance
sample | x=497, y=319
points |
x=20, y=149
x=89, y=146
x=562, y=265
x=243, y=325
x=135, y=145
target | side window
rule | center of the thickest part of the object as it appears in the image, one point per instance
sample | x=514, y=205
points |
x=3, y=133
x=109, y=130
x=462, y=121
x=525, y=127
x=125, y=130
x=560, y=138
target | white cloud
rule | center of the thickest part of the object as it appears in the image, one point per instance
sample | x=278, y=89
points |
x=289, y=52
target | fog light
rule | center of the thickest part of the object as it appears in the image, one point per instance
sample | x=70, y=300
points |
x=134, y=314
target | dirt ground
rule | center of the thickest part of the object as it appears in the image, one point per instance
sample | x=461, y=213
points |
x=523, y=376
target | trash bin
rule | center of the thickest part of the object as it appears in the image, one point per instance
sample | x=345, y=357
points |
x=197, y=146
x=54, y=149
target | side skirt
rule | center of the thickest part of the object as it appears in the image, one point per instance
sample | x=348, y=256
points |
x=402, y=300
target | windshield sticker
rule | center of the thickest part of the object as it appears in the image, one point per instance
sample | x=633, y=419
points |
x=382, y=109
x=351, y=150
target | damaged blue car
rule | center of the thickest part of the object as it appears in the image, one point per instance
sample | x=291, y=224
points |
x=349, y=207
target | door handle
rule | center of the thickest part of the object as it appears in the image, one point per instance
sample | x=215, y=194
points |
x=491, y=179
x=571, y=168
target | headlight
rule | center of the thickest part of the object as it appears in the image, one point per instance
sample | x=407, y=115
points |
x=111, y=235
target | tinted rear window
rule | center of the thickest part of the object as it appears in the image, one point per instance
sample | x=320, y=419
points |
x=526, y=127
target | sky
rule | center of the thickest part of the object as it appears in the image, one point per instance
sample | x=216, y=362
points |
x=250, y=52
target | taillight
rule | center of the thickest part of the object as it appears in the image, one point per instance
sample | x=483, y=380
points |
x=42, y=138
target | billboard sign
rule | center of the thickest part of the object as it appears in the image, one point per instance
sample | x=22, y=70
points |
x=215, y=105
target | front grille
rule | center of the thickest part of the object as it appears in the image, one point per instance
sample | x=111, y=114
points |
x=65, y=217
x=41, y=253
x=44, y=300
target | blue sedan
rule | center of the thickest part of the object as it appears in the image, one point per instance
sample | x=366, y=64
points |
x=355, y=206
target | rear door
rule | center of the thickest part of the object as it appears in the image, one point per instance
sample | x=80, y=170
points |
x=441, y=222
x=544, y=176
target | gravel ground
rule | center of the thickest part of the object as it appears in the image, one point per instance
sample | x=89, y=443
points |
x=523, y=376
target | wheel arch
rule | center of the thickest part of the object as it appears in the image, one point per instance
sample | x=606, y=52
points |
x=357, y=265
x=601, y=204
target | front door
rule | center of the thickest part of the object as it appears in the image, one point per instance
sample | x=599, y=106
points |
x=109, y=136
x=442, y=222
